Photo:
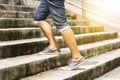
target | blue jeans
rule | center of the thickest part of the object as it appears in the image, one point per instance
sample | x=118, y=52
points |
x=56, y=9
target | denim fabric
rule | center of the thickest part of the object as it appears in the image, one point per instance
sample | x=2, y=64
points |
x=56, y=9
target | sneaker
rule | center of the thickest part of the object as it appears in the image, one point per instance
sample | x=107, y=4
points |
x=72, y=65
x=47, y=50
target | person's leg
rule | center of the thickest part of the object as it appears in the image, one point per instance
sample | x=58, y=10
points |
x=46, y=28
x=69, y=38
x=40, y=19
x=58, y=15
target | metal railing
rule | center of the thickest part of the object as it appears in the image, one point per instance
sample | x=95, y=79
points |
x=91, y=11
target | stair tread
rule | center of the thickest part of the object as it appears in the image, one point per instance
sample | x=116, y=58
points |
x=58, y=74
x=16, y=18
x=108, y=78
x=15, y=11
x=7, y=29
x=4, y=43
x=19, y=14
x=30, y=19
x=9, y=62
x=111, y=75
x=1, y=29
x=19, y=5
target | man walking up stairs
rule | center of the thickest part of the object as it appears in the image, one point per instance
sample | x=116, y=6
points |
x=21, y=41
x=57, y=10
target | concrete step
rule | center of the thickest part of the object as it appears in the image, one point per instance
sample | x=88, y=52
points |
x=23, y=66
x=93, y=68
x=12, y=2
x=21, y=14
x=111, y=75
x=30, y=46
x=9, y=34
x=17, y=8
x=27, y=33
x=16, y=22
x=26, y=12
x=87, y=29
x=15, y=14
x=82, y=23
x=28, y=22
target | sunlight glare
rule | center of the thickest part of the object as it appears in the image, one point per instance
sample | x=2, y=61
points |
x=109, y=5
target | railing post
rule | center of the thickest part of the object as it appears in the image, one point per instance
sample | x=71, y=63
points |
x=83, y=10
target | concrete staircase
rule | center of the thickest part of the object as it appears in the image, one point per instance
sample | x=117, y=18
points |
x=112, y=75
x=21, y=40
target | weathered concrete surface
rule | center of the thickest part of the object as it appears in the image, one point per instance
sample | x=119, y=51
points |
x=19, y=33
x=104, y=63
x=18, y=67
x=79, y=23
x=31, y=46
x=21, y=14
x=27, y=22
x=12, y=2
x=111, y=75
x=17, y=8
x=16, y=23
x=15, y=14
x=27, y=33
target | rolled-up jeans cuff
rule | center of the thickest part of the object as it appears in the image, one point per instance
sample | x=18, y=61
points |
x=36, y=22
x=63, y=29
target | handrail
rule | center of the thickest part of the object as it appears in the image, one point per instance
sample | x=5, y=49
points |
x=93, y=12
